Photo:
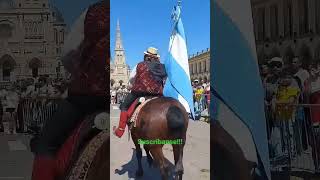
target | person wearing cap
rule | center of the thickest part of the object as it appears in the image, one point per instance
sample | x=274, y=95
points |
x=146, y=79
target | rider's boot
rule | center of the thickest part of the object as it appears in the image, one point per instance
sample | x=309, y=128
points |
x=43, y=168
x=122, y=124
x=132, y=108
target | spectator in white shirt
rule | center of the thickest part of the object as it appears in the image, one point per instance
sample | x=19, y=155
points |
x=11, y=105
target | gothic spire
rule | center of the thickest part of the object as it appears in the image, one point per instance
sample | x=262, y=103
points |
x=119, y=46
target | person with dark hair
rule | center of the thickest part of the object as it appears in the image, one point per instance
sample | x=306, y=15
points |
x=148, y=81
x=87, y=64
x=264, y=71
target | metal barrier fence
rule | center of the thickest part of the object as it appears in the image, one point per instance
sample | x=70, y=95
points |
x=294, y=141
x=32, y=113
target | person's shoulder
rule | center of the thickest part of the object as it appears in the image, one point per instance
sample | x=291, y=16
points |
x=141, y=65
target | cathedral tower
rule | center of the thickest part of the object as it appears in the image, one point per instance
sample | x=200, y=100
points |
x=119, y=68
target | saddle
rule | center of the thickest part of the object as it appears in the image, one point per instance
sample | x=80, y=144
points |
x=73, y=147
x=135, y=108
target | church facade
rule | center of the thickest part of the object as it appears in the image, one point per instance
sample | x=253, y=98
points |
x=287, y=28
x=119, y=69
x=32, y=34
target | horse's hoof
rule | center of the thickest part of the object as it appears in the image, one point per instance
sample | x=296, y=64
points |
x=139, y=173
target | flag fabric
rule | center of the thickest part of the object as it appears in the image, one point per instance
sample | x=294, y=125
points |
x=178, y=83
x=238, y=99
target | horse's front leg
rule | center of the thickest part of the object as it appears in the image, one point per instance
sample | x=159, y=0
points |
x=149, y=158
x=139, y=172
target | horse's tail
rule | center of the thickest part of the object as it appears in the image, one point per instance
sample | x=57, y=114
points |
x=175, y=119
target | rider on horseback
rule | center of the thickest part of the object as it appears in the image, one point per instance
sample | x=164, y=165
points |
x=87, y=90
x=148, y=81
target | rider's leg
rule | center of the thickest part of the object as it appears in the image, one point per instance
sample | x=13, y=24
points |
x=123, y=115
x=43, y=168
x=56, y=130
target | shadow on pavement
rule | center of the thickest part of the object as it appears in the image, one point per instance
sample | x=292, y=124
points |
x=152, y=172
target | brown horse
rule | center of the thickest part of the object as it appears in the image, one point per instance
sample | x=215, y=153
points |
x=95, y=167
x=86, y=153
x=164, y=119
x=229, y=162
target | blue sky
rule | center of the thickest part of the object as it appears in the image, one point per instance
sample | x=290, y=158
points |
x=147, y=23
x=71, y=9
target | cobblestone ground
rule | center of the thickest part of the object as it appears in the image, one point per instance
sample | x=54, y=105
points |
x=15, y=157
x=196, y=154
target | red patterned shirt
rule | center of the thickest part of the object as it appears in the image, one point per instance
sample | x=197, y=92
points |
x=90, y=75
x=145, y=81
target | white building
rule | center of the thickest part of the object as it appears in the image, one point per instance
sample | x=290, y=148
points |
x=199, y=66
x=119, y=69
x=287, y=28
x=31, y=38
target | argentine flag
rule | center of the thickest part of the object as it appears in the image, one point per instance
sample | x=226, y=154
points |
x=238, y=99
x=178, y=83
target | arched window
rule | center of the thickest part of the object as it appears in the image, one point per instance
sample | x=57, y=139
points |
x=34, y=65
x=30, y=28
x=35, y=72
x=5, y=31
x=56, y=36
x=8, y=64
x=62, y=36
x=35, y=28
x=196, y=70
x=6, y=71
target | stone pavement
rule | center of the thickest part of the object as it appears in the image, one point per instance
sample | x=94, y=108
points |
x=196, y=154
x=15, y=157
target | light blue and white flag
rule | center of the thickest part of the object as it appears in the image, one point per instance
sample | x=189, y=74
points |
x=178, y=84
x=238, y=99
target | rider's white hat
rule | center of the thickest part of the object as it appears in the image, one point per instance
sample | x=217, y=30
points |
x=152, y=51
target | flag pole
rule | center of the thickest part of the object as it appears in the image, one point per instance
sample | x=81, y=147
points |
x=179, y=3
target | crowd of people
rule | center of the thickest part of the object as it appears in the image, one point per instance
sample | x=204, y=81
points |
x=201, y=96
x=118, y=94
x=12, y=97
x=292, y=99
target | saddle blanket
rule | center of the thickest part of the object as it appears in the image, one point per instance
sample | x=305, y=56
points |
x=134, y=117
